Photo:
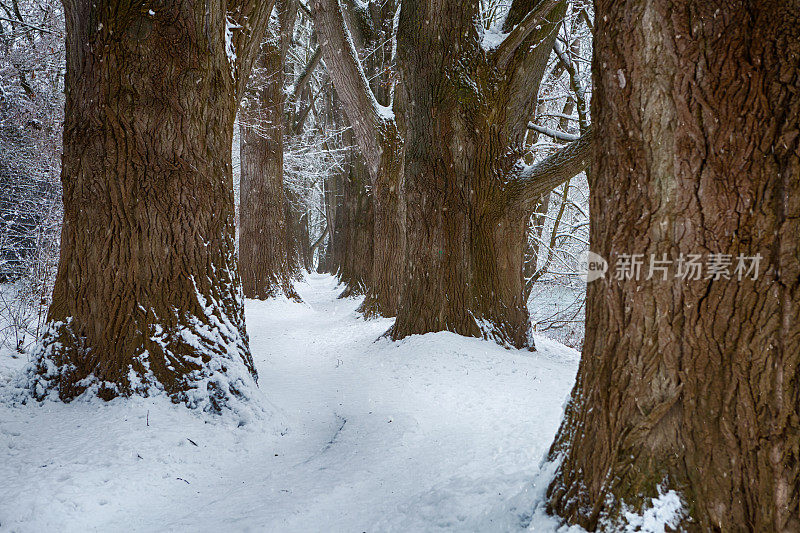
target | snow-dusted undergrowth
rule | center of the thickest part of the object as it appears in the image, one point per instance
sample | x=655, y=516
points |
x=433, y=433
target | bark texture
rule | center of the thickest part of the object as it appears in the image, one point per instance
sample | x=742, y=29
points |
x=691, y=385
x=353, y=238
x=466, y=118
x=147, y=292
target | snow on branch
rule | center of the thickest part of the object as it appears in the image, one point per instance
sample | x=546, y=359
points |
x=530, y=182
x=532, y=21
x=555, y=134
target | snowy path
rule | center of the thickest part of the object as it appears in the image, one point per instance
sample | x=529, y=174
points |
x=435, y=433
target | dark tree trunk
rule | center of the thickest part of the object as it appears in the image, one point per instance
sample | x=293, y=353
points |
x=691, y=385
x=354, y=231
x=465, y=236
x=147, y=291
x=263, y=242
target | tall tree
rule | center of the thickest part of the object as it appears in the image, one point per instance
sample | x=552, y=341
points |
x=468, y=196
x=264, y=253
x=692, y=385
x=147, y=291
x=377, y=134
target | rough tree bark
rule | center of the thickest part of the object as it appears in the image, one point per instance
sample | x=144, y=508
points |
x=379, y=139
x=468, y=201
x=147, y=292
x=691, y=385
x=263, y=242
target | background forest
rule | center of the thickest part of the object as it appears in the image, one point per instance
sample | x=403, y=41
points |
x=320, y=155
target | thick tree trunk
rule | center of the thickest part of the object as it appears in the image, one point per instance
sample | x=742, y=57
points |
x=465, y=233
x=691, y=385
x=147, y=292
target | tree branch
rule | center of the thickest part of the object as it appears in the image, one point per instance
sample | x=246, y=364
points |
x=555, y=134
x=305, y=76
x=363, y=111
x=319, y=241
x=251, y=19
x=529, y=182
x=533, y=20
x=575, y=83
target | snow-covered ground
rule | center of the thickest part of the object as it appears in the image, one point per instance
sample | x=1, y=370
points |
x=434, y=433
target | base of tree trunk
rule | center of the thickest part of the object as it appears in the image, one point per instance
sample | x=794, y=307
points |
x=372, y=308
x=198, y=361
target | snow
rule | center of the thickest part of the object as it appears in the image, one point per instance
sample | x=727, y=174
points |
x=230, y=48
x=492, y=38
x=667, y=510
x=434, y=433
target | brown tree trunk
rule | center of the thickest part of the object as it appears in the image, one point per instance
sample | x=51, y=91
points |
x=354, y=231
x=389, y=232
x=465, y=235
x=263, y=254
x=147, y=292
x=691, y=385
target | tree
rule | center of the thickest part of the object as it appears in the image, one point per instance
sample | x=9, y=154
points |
x=147, y=292
x=377, y=134
x=439, y=260
x=468, y=197
x=691, y=385
x=264, y=253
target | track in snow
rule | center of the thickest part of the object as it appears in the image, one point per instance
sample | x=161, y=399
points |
x=434, y=433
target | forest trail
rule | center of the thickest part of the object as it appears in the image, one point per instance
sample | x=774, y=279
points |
x=433, y=433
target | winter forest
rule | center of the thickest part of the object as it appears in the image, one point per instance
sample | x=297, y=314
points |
x=400, y=265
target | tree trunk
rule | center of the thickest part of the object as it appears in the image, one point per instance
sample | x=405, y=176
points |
x=263, y=242
x=354, y=231
x=389, y=233
x=263, y=252
x=147, y=292
x=465, y=237
x=691, y=385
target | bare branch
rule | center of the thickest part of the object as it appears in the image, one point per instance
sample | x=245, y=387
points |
x=529, y=182
x=341, y=59
x=305, y=76
x=533, y=20
x=33, y=27
x=555, y=134
x=575, y=83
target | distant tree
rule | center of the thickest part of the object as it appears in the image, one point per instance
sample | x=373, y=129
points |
x=147, y=291
x=369, y=109
x=448, y=245
x=691, y=385
x=264, y=246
